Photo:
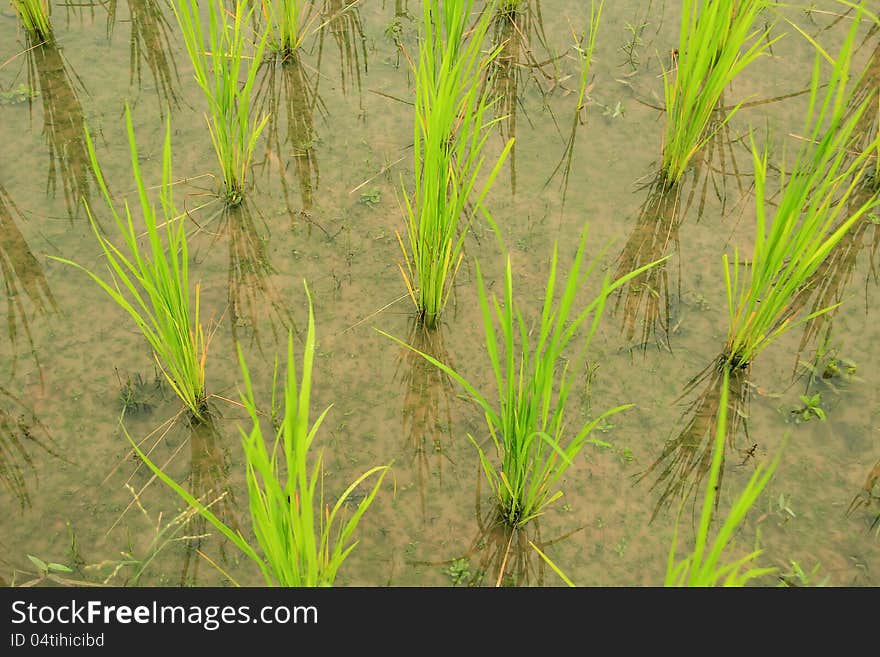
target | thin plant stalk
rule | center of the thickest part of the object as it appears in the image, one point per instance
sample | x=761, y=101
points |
x=717, y=40
x=153, y=287
x=528, y=425
x=452, y=126
x=220, y=61
x=812, y=215
x=302, y=540
x=703, y=566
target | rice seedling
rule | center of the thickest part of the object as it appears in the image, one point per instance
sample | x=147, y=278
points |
x=717, y=40
x=451, y=129
x=287, y=23
x=704, y=566
x=220, y=61
x=153, y=287
x=34, y=15
x=528, y=424
x=811, y=217
x=302, y=539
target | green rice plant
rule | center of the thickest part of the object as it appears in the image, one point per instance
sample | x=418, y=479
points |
x=153, y=287
x=287, y=22
x=301, y=542
x=812, y=215
x=704, y=566
x=717, y=40
x=452, y=121
x=220, y=61
x=533, y=375
x=34, y=15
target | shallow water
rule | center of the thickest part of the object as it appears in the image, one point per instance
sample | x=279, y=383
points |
x=324, y=209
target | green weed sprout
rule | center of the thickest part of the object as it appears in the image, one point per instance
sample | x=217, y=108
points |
x=451, y=129
x=219, y=63
x=303, y=542
x=533, y=375
x=812, y=215
x=717, y=40
x=153, y=287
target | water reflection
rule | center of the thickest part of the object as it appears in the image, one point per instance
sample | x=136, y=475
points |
x=499, y=555
x=209, y=482
x=150, y=47
x=63, y=123
x=290, y=96
x=644, y=301
x=23, y=279
x=250, y=292
x=342, y=19
x=867, y=499
x=427, y=408
x=20, y=432
x=514, y=31
x=686, y=458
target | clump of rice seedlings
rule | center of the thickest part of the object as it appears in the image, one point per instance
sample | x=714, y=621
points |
x=153, y=287
x=452, y=124
x=717, y=40
x=287, y=22
x=585, y=54
x=302, y=540
x=34, y=15
x=704, y=566
x=528, y=424
x=812, y=215
x=220, y=61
